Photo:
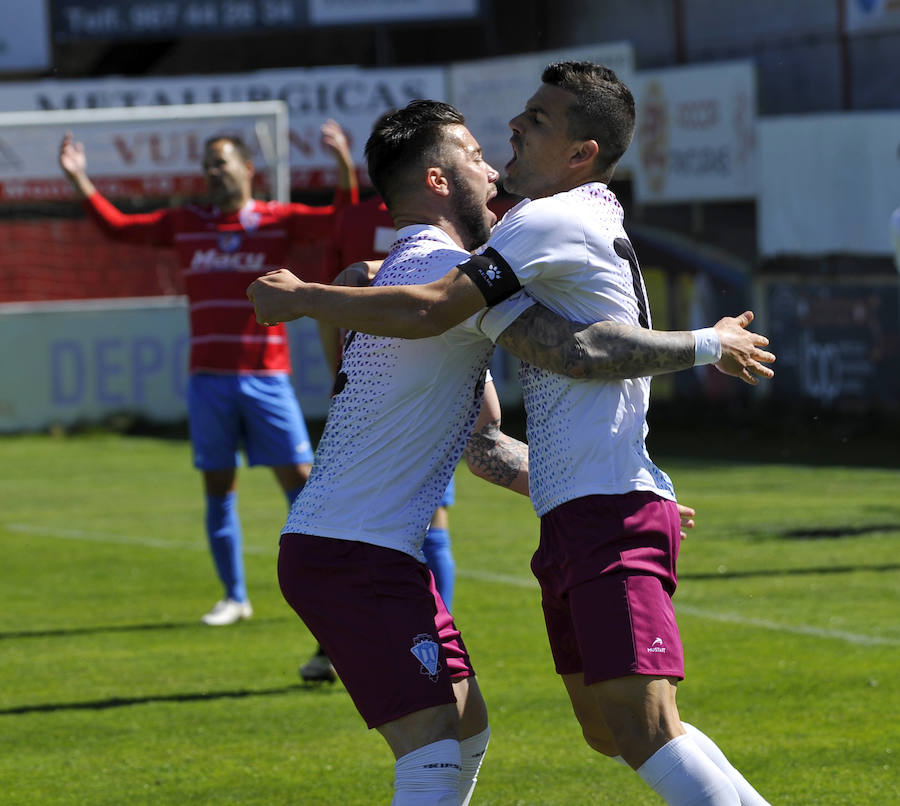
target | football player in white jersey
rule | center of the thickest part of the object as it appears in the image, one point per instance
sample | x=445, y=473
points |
x=350, y=559
x=606, y=510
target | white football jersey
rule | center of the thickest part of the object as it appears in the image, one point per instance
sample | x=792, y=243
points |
x=399, y=419
x=571, y=253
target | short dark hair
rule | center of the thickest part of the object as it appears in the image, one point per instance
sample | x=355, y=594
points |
x=405, y=141
x=238, y=142
x=603, y=108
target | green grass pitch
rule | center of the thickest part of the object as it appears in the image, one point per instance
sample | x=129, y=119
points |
x=113, y=692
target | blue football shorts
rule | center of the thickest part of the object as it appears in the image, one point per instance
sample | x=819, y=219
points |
x=258, y=413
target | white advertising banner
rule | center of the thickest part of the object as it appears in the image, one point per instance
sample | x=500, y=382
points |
x=82, y=362
x=25, y=37
x=353, y=96
x=695, y=137
x=490, y=92
x=828, y=183
x=872, y=15
x=337, y=12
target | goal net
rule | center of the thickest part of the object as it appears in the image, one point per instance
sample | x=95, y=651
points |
x=141, y=158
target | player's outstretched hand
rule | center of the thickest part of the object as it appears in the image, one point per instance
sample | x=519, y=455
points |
x=742, y=353
x=687, y=518
x=71, y=156
x=274, y=297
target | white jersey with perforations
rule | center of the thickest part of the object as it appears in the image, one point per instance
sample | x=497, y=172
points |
x=571, y=253
x=399, y=419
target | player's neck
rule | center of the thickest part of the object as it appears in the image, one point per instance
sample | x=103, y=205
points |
x=420, y=218
x=234, y=206
x=570, y=181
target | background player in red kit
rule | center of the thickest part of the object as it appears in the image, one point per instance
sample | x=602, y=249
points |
x=239, y=390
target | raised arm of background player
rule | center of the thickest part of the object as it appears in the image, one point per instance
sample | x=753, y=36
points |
x=601, y=351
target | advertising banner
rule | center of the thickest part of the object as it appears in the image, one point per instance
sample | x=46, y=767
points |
x=828, y=183
x=490, y=92
x=353, y=96
x=336, y=12
x=24, y=37
x=78, y=20
x=872, y=15
x=84, y=362
x=837, y=341
x=695, y=137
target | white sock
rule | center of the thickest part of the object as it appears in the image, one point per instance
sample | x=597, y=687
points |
x=428, y=776
x=472, y=751
x=683, y=775
x=749, y=796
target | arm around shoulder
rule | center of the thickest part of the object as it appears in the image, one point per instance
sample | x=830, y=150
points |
x=410, y=311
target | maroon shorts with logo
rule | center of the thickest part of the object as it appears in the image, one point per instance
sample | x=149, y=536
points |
x=377, y=614
x=606, y=564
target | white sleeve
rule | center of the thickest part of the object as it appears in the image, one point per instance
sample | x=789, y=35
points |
x=493, y=321
x=539, y=239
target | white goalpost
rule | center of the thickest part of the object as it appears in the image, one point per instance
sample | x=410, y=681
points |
x=139, y=151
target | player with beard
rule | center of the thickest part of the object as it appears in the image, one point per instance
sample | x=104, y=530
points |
x=609, y=522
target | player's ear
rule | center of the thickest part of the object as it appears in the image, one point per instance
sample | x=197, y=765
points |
x=436, y=181
x=584, y=153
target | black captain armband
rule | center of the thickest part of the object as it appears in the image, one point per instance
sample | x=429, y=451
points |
x=492, y=274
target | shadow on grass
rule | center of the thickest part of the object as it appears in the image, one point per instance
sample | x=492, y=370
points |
x=69, y=632
x=820, y=532
x=789, y=572
x=205, y=696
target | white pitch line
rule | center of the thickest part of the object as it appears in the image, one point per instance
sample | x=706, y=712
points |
x=120, y=540
x=484, y=576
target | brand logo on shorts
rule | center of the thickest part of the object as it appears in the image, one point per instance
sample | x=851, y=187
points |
x=657, y=645
x=425, y=651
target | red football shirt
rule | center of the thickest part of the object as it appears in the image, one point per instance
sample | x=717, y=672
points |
x=219, y=255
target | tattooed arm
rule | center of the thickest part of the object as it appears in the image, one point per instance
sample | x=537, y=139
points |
x=493, y=455
x=612, y=350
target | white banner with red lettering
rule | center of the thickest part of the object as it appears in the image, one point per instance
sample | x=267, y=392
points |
x=490, y=92
x=695, y=137
x=828, y=183
x=353, y=96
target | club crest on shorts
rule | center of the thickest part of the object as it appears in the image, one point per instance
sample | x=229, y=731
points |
x=425, y=650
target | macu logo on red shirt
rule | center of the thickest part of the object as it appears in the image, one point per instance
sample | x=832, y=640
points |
x=214, y=259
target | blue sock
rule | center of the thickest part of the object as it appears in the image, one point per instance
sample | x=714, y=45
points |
x=440, y=562
x=223, y=527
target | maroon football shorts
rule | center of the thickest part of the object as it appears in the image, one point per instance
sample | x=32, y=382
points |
x=378, y=616
x=606, y=565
